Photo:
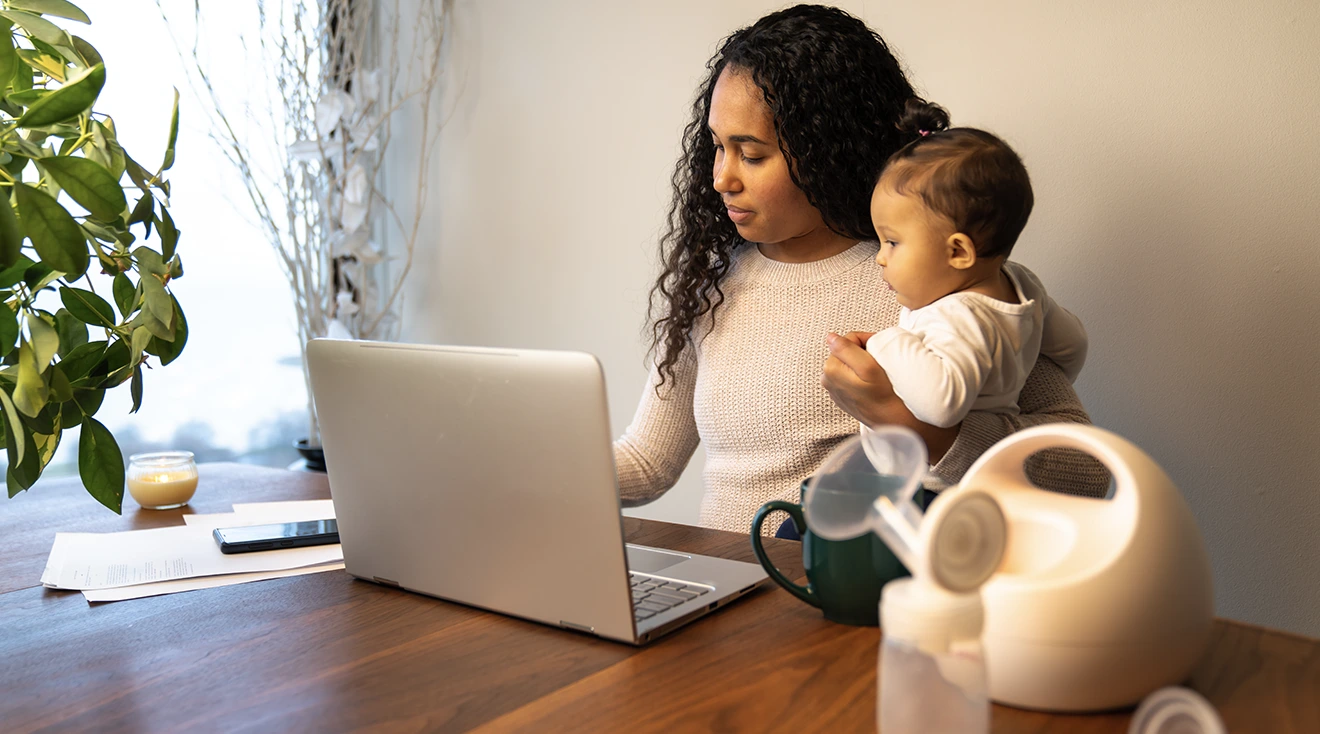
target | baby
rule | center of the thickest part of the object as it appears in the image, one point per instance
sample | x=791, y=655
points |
x=948, y=208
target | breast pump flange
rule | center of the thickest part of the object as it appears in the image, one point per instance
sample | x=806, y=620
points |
x=1090, y=604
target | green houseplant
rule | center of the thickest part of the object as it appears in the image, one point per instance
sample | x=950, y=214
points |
x=70, y=262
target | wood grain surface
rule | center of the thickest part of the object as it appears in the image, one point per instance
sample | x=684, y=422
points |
x=325, y=652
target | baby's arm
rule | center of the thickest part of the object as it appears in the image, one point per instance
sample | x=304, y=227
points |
x=938, y=368
x=1063, y=338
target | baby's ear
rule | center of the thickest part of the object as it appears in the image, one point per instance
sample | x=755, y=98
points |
x=962, y=251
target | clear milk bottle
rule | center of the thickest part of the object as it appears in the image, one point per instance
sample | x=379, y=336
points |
x=932, y=675
x=932, y=671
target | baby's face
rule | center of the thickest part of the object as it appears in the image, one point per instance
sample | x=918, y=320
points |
x=913, y=248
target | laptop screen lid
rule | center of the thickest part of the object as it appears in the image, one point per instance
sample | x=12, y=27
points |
x=482, y=476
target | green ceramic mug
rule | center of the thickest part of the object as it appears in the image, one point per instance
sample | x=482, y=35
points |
x=844, y=577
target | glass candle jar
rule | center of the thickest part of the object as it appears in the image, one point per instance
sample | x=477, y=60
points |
x=162, y=480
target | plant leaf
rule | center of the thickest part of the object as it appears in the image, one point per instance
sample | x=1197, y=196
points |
x=30, y=392
x=138, y=174
x=15, y=273
x=46, y=64
x=62, y=52
x=101, y=464
x=87, y=51
x=14, y=434
x=26, y=472
x=57, y=8
x=47, y=443
x=11, y=236
x=158, y=302
x=8, y=54
x=150, y=261
x=168, y=351
x=113, y=368
x=72, y=332
x=61, y=390
x=144, y=210
x=40, y=275
x=45, y=341
x=78, y=363
x=174, y=135
x=135, y=389
x=18, y=161
x=169, y=234
x=125, y=294
x=43, y=423
x=27, y=97
x=67, y=102
x=89, y=184
x=36, y=26
x=104, y=137
x=148, y=320
x=141, y=335
x=8, y=329
x=87, y=306
x=22, y=80
x=87, y=402
x=56, y=236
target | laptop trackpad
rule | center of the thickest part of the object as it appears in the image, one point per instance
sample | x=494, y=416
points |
x=650, y=560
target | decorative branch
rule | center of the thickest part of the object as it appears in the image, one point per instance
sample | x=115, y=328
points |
x=342, y=73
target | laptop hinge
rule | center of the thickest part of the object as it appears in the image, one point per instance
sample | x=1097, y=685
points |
x=387, y=582
x=577, y=627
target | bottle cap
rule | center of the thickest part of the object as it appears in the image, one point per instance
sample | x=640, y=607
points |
x=1176, y=710
x=968, y=535
x=920, y=613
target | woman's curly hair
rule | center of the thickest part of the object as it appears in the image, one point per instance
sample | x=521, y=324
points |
x=835, y=92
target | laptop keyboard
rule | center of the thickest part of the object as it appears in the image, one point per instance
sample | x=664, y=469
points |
x=652, y=595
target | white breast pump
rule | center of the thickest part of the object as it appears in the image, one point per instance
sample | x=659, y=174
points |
x=1089, y=604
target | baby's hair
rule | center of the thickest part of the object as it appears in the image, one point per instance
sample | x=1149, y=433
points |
x=965, y=175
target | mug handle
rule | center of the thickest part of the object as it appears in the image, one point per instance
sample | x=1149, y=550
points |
x=794, y=511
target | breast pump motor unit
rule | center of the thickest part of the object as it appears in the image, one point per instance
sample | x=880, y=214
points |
x=1089, y=604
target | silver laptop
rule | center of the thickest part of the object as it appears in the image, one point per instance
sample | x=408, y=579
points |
x=486, y=477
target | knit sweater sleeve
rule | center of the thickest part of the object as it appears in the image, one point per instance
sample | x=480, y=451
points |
x=652, y=453
x=1047, y=397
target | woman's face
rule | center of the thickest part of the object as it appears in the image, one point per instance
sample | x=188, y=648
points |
x=751, y=175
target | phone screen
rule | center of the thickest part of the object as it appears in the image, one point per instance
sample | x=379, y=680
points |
x=279, y=531
x=278, y=535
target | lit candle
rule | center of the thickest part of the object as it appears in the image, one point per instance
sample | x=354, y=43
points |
x=162, y=480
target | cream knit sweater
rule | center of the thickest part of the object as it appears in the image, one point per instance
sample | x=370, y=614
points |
x=750, y=390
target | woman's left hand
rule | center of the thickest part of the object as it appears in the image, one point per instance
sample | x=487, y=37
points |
x=856, y=382
x=861, y=388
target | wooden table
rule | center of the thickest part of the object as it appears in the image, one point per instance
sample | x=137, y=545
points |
x=325, y=652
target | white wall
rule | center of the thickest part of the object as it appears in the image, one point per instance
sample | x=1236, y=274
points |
x=1173, y=146
x=552, y=181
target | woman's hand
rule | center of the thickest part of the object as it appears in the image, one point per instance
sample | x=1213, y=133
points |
x=860, y=386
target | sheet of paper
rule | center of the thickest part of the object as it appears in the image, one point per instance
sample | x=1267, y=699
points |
x=206, y=582
x=213, y=520
x=297, y=510
x=261, y=513
x=84, y=561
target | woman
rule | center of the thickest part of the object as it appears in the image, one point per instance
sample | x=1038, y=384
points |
x=769, y=248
